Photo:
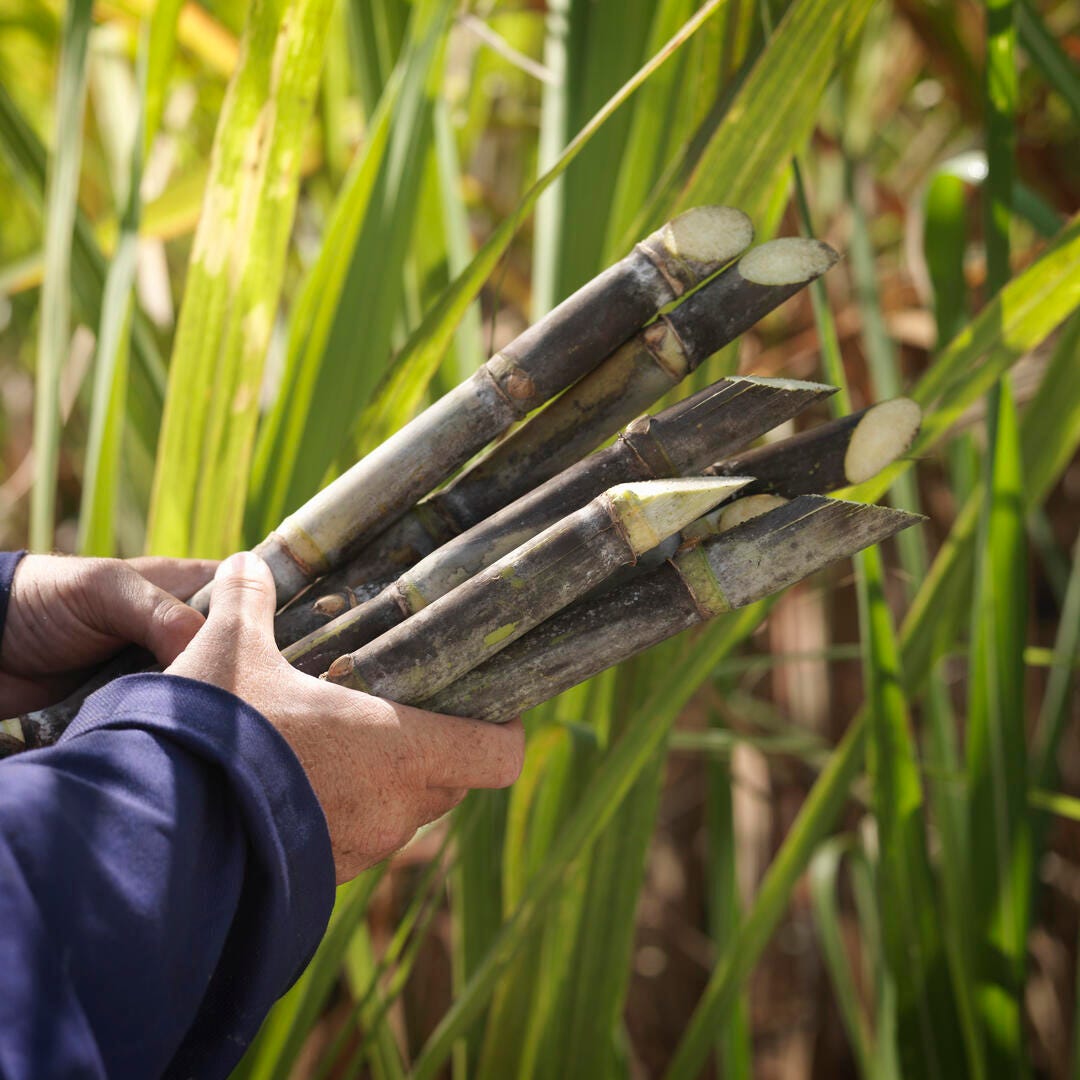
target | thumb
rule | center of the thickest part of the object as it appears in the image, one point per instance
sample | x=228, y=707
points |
x=135, y=609
x=243, y=595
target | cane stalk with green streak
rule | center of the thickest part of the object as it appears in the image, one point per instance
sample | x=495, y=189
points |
x=635, y=376
x=718, y=421
x=720, y=574
x=544, y=360
x=491, y=610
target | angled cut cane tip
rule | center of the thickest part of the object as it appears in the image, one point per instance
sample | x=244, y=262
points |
x=787, y=261
x=708, y=234
x=652, y=510
x=884, y=433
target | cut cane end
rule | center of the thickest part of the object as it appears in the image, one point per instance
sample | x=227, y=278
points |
x=790, y=260
x=652, y=510
x=884, y=433
x=708, y=235
x=746, y=509
x=13, y=730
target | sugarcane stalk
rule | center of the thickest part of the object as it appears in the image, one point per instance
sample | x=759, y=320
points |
x=494, y=608
x=630, y=380
x=720, y=574
x=681, y=440
x=815, y=462
x=829, y=457
x=549, y=356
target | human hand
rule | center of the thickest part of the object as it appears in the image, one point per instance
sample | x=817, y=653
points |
x=66, y=614
x=380, y=770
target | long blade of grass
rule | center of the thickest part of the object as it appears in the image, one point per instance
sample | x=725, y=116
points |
x=944, y=242
x=161, y=49
x=234, y=280
x=926, y=1030
x=353, y=293
x=101, y=473
x=615, y=776
x=944, y=239
x=734, y=1048
x=146, y=391
x=1016, y=320
x=1000, y=825
x=419, y=359
x=815, y=819
x=54, y=327
x=1044, y=49
x=774, y=110
x=1050, y=433
x=590, y=49
x=1054, y=711
x=824, y=876
x=648, y=134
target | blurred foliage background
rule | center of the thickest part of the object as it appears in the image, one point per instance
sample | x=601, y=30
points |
x=834, y=834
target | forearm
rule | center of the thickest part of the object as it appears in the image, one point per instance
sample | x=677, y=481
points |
x=166, y=874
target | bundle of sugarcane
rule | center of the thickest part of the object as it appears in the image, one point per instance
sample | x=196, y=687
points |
x=547, y=560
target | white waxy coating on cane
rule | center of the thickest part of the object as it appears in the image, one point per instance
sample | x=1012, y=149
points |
x=787, y=261
x=880, y=437
x=743, y=510
x=708, y=234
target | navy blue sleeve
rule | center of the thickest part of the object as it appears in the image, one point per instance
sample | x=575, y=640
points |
x=165, y=875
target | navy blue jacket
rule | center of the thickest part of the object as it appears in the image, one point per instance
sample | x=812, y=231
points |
x=165, y=875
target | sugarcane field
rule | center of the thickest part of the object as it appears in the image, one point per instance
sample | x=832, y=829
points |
x=540, y=540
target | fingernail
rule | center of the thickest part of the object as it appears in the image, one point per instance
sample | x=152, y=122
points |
x=242, y=564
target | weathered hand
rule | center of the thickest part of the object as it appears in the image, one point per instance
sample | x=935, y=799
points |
x=379, y=770
x=67, y=614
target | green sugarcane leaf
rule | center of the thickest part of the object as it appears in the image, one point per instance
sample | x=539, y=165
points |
x=944, y=239
x=816, y=818
x=1018, y=319
x=824, y=876
x=645, y=156
x=420, y=357
x=353, y=293
x=234, y=281
x=590, y=49
x=61, y=201
x=441, y=251
x=161, y=49
x=1050, y=434
x=600, y=945
x=614, y=778
x=1043, y=47
x=1054, y=711
x=101, y=475
x=734, y=1047
x=146, y=391
x=926, y=1037
x=1000, y=826
x=773, y=112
